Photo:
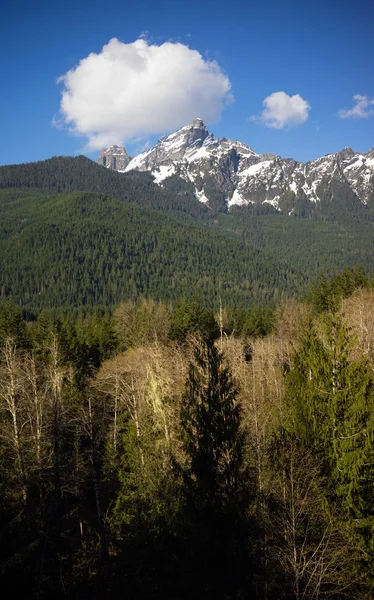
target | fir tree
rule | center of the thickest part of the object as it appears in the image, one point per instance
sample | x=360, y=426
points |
x=216, y=481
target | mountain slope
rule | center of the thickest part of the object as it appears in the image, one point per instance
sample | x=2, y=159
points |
x=225, y=173
x=85, y=249
x=64, y=174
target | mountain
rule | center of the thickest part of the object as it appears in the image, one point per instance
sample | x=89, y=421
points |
x=115, y=158
x=235, y=174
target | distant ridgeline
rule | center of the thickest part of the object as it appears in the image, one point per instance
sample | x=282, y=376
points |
x=65, y=174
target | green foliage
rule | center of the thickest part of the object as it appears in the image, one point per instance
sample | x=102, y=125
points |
x=216, y=484
x=190, y=317
x=308, y=542
x=311, y=245
x=217, y=200
x=326, y=294
x=136, y=501
x=90, y=504
x=258, y=322
x=297, y=206
x=12, y=324
x=88, y=250
x=83, y=345
x=212, y=436
x=65, y=252
x=64, y=174
x=331, y=397
x=143, y=512
x=85, y=251
x=142, y=322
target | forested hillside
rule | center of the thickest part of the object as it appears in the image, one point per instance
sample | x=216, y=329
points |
x=67, y=174
x=87, y=250
x=171, y=454
x=314, y=245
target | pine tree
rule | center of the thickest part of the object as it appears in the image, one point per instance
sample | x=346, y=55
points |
x=212, y=436
x=216, y=482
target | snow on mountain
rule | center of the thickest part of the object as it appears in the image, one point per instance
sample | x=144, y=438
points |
x=359, y=171
x=240, y=175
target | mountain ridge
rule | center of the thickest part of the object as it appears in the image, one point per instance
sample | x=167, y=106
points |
x=66, y=174
x=243, y=177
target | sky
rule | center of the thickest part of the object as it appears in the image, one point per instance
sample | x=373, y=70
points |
x=288, y=78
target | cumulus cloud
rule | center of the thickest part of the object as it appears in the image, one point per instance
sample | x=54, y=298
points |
x=283, y=111
x=138, y=89
x=363, y=109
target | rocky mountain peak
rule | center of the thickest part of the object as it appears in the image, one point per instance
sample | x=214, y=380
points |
x=345, y=154
x=226, y=172
x=114, y=158
x=174, y=147
x=197, y=123
x=197, y=133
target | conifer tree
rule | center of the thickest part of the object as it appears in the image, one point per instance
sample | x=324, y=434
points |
x=212, y=436
x=216, y=481
x=331, y=397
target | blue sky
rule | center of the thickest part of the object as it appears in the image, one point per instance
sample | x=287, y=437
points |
x=320, y=54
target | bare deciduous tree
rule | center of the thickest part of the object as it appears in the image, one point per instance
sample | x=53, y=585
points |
x=15, y=422
x=311, y=545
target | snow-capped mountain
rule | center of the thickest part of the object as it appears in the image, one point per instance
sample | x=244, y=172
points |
x=234, y=170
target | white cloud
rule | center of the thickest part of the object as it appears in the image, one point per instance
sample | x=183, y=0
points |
x=283, y=111
x=363, y=109
x=135, y=90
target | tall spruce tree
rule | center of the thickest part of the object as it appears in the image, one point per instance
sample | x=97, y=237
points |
x=216, y=482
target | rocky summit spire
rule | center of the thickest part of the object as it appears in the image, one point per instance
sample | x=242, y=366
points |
x=114, y=158
x=199, y=123
x=197, y=131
